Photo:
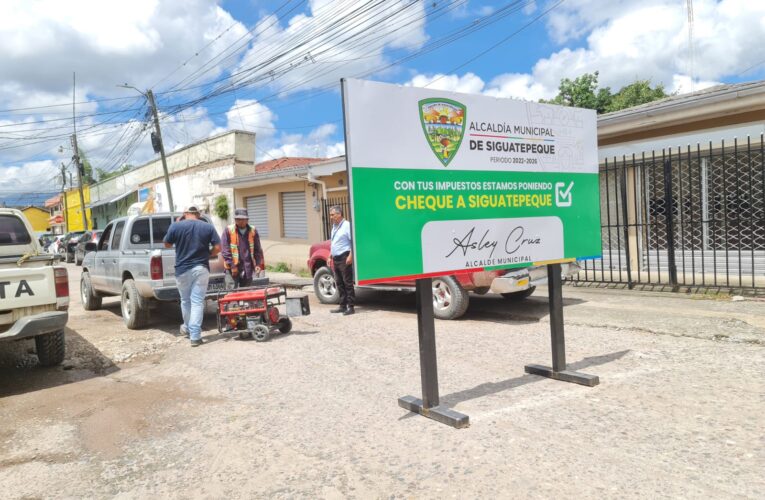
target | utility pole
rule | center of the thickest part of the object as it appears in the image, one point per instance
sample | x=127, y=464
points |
x=150, y=97
x=63, y=194
x=78, y=164
x=77, y=161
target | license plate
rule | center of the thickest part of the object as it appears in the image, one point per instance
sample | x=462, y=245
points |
x=523, y=282
x=217, y=286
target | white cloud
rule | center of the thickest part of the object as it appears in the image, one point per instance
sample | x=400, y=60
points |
x=518, y=86
x=467, y=83
x=250, y=115
x=682, y=84
x=317, y=144
x=336, y=39
x=43, y=41
x=627, y=41
x=33, y=176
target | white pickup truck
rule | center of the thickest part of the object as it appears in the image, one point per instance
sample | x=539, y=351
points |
x=34, y=290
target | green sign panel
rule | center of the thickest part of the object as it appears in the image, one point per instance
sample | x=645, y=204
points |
x=443, y=183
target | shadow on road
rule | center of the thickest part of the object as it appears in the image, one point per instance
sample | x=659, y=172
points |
x=489, y=307
x=21, y=373
x=490, y=388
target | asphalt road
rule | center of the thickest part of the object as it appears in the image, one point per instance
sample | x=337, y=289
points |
x=313, y=414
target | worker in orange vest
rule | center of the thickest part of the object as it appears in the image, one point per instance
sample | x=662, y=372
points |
x=241, y=250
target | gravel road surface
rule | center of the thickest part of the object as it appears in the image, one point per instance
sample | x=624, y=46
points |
x=680, y=410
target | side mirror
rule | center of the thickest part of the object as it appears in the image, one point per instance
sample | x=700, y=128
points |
x=91, y=247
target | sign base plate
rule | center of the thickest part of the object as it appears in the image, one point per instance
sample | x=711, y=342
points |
x=438, y=413
x=564, y=376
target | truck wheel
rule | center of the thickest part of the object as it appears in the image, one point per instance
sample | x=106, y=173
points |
x=450, y=300
x=51, y=348
x=135, y=311
x=519, y=295
x=324, y=286
x=90, y=301
x=284, y=324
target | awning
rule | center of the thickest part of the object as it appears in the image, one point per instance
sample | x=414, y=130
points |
x=111, y=200
x=56, y=219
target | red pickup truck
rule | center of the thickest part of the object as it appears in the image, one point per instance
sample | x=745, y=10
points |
x=450, y=293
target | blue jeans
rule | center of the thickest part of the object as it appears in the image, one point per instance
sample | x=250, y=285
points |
x=192, y=285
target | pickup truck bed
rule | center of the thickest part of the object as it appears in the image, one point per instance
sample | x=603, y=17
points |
x=34, y=290
x=130, y=261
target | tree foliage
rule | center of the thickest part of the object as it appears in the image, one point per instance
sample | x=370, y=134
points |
x=108, y=174
x=583, y=92
x=220, y=207
x=87, y=169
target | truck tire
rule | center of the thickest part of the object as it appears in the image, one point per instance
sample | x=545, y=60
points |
x=90, y=301
x=135, y=310
x=51, y=348
x=519, y=295
x=450, y=300
x=324, y=286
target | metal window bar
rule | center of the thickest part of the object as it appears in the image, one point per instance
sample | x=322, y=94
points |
x=688, y=217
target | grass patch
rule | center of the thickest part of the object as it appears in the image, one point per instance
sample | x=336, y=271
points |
x=303, y=273
x=279, y=267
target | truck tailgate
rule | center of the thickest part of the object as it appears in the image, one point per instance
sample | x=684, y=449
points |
x=26, y=287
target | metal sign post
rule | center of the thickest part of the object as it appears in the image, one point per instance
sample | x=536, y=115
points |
x=558, y=370
x=429, y=405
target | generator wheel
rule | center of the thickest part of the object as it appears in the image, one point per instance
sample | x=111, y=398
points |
x=260, y=333
x=284, y=324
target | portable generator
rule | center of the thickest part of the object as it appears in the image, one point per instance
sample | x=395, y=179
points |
x=253, y=312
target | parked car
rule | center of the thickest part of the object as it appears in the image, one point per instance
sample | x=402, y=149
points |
x=450, y=293
x=131, y=261
x=45, y=239
x=34, y=290
x=68, y=243
x=79, y=248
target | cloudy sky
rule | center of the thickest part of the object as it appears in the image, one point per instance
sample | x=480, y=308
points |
x=273, y=67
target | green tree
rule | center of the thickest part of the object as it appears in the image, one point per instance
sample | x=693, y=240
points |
x=108, y=174
x=635, y=94
x=583, y=92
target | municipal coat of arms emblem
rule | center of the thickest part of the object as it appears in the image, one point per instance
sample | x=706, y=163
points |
x=443, y=122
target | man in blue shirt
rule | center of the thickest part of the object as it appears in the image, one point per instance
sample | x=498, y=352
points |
x=196, y=242
x=342, y=260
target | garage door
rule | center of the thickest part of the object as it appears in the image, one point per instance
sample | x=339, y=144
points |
x=294, y=215
x=257, y=210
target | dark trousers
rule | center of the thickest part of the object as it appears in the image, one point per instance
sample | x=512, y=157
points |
x=238, y=281
x=344, y=280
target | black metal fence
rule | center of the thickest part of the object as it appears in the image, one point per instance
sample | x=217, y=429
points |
x=326, y=204
x=689, y=217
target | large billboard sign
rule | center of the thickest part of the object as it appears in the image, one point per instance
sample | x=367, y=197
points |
x=443, y=183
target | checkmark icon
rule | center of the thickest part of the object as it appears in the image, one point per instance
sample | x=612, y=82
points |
x=563, y=197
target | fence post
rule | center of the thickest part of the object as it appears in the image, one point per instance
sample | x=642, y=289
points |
x=668, y=213
x=626, y=224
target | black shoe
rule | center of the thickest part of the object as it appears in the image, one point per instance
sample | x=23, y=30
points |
x=349, y=311
x=340, y=309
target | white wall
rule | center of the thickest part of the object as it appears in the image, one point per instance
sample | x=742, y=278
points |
x=702, y=137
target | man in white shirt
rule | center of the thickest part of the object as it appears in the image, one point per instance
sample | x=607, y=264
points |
x=342, y=259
